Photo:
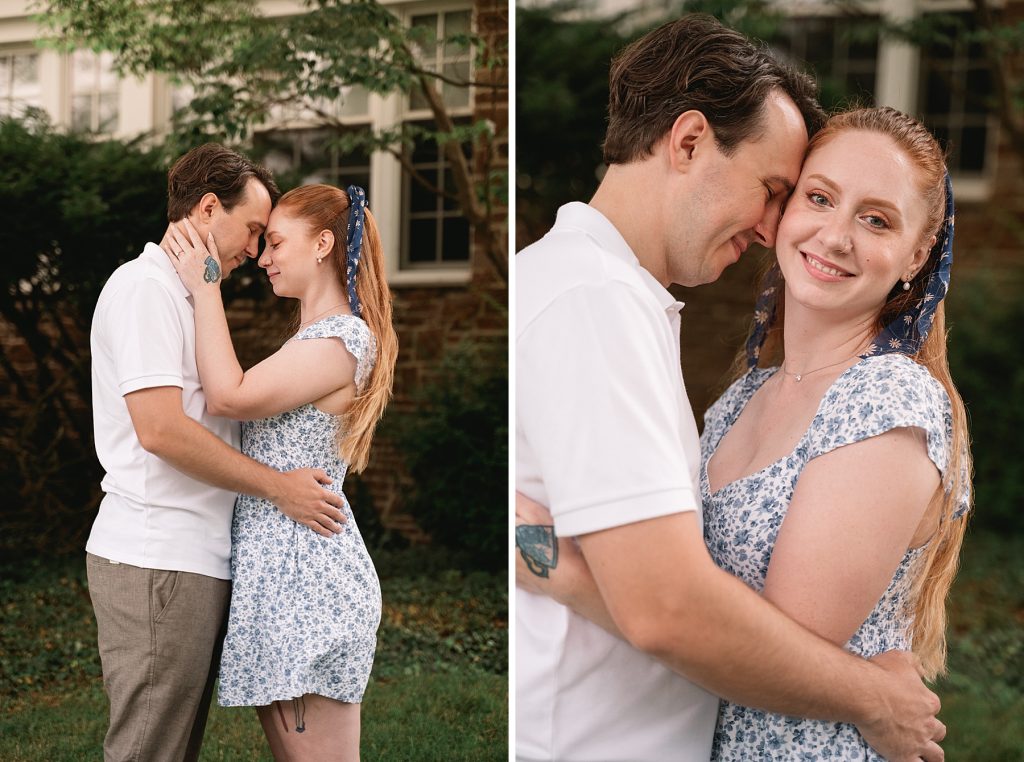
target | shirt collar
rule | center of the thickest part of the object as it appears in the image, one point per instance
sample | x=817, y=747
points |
x=153, y=254
x=582, y=217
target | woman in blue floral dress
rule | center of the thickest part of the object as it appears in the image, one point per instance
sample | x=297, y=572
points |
x=835, y=480
x=305, y=602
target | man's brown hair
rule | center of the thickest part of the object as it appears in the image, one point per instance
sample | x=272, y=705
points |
x=212, y=168
x=696, y=64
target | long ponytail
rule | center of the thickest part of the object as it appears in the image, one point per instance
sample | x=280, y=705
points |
x=325, y=207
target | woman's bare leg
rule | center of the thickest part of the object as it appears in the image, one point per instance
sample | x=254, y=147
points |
x=311, y=729
x=273, y=727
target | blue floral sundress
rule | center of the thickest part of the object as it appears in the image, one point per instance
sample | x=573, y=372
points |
x=742, y=520
x=304, y=608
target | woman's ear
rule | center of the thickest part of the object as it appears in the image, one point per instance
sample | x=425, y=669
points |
x=921, y=255
x=325, y=242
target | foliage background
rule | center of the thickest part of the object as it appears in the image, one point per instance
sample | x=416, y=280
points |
x=561, y=100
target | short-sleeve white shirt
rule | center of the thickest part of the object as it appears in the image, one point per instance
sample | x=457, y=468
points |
x=605, y=436
x=152, y=515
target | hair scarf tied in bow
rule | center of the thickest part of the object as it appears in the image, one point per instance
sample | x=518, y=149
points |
x=354, y=242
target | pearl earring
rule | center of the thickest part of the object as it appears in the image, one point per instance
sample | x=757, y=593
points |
x=319, y=259
x=906, y=285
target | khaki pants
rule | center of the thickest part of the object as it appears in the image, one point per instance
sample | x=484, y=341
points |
x=159, y=634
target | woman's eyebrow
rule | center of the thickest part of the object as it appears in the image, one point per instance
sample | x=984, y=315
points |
x=879, y=202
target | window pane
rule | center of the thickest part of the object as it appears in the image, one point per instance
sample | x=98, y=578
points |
x=355, y=177
x=421, y=199
x=424, y=152
x=456, y=23
x=455, y=246
x=81, y=113
x=422, y=240
x=450, y=204
x=862, y=43
x=107, y=76
x=107, y=112
x=979, y=86
x=955, y=95
x=6, y=65
x=355, y=101
x=426, y=35
x=417, y=101
x=454, y=95
x=819, y=44
x=937, y=95
x=83, y=75
x=972, y=149
x=26, y=71
x=436, y=234
x=839, y=53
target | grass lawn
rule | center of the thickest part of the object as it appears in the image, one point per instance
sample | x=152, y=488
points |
x=983, y=696
x=439, y=690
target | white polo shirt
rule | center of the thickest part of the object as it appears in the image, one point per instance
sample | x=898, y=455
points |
x=152, y=516
x=605, y=436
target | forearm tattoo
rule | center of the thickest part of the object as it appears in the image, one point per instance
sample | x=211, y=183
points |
x=212, y=274
x=538, y=546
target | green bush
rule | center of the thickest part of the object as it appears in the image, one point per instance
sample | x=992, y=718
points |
x=455, y=445
x=73, y=209
x=986, y=346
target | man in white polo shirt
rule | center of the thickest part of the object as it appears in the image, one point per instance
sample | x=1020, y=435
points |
x=705, y=139
x=158, y=556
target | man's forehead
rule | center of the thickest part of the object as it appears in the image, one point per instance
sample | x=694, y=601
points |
x=256, y=203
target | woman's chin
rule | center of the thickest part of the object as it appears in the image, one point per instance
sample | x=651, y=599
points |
x=281, y=293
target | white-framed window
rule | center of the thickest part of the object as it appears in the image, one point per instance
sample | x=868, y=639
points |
x=94, y=92
x=19, y=81
x=955, y=85
x=434, y=232
x=439, y=52
x=310, y=156
x=947, y=86
x=434, y=235
x=844, y=59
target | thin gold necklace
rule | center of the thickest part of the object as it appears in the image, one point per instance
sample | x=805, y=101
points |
x=317, y=317
x=799, y=376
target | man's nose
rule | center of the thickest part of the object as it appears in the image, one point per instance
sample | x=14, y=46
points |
x=768, y=227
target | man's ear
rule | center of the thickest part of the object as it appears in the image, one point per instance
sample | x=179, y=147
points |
x=689, y=137
x=206, y=207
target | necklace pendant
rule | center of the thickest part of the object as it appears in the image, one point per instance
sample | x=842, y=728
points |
x=798, y=376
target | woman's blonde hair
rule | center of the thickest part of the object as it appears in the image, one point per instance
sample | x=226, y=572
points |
x=935, y=570
x=325, y=207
